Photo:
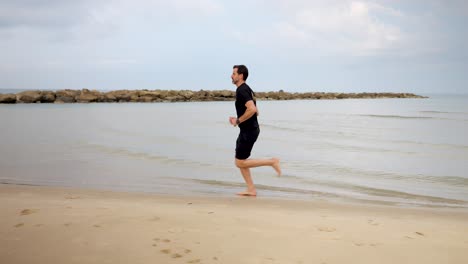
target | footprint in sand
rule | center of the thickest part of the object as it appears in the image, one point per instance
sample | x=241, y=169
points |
x=175, y=255
x=372, y=222
x=97, y=226
x=417, y=233
x=166, y=251
x=169, y=251
x=28, y=211
x=67, y=224
x=326, y=229
x=19, y=225
x=194, y=261
x=359, y=244
x=71, y=197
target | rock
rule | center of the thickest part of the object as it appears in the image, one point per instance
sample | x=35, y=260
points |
x=29, y=97
x=146, y=99
x=272, y=95
x=108, y=97
x=176, y=98
x=48, y=97
x=134, y=97
x=226, y=93
x=200, y=95
x=150, y=94
x=87, y=96
x=7, y=98
x=187, y=95
x=172, y=93
x=66, y=96
x=118, y=96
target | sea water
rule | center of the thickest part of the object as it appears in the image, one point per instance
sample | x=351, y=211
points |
x=397, y=151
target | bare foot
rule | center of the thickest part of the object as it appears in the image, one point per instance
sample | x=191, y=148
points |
x=248, y=193
x=276, y=166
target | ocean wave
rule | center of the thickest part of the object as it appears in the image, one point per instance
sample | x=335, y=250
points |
x=407, y=196
x=374, y=194
x=400, y=117
x=346, y=172
x=415, y=117
x=455, y=181
x=437, y=145
x=340, y=135
x=146, y=156
x=265, y=187
x=444, y=112
x=314, y=131
x=282, y=128
x=363, y=149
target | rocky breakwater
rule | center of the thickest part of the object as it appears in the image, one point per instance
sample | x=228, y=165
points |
x=147, y=96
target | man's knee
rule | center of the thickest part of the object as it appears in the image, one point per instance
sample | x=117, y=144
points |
x=240, y=163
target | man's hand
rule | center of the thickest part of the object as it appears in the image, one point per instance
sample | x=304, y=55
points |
x=233, y=120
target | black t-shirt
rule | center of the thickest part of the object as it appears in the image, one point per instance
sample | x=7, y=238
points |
x=243, y=95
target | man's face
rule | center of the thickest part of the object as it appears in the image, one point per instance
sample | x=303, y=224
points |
x=236, y=78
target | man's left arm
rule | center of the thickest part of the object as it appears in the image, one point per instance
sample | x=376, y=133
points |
x=249, y=112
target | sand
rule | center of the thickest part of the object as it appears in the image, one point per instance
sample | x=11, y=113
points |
x=65, y=225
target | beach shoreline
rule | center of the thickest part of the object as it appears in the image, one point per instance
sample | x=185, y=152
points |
x=69, y=225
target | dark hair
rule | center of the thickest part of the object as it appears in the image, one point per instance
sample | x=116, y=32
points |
x=241, y=69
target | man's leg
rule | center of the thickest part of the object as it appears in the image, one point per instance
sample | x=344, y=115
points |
x=252, y=163
x=251, y=191
x=245, y=165
x=244, y=145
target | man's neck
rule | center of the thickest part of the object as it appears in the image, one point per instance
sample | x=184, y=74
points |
x=240, y=83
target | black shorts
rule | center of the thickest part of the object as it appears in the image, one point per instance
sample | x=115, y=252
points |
x=245, y=142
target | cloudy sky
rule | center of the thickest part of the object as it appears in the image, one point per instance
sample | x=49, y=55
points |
x=416, y=46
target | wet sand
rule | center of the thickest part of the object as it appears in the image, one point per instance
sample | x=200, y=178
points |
x=65, y=225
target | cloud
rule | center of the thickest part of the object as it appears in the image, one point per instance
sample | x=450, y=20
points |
x=103, y=34
x=335, y=27
x=98, y=15
x=42, y=14
x=203, y=7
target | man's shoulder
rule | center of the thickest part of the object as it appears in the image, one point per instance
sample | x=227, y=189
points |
x=243, y=87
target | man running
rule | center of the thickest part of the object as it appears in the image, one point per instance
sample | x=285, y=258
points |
x=249, y=130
